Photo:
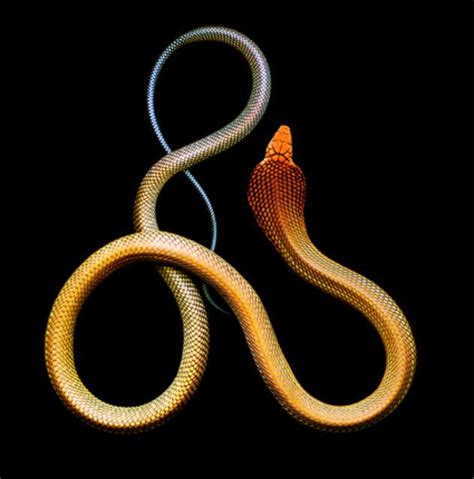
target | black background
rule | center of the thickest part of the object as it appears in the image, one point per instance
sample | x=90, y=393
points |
x=372, y=95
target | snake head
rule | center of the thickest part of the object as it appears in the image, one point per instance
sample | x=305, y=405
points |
x=280, y=146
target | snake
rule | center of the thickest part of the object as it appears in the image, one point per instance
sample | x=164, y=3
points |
x=276, y=196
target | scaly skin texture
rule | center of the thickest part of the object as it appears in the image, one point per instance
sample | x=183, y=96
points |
x=277, y=198
x=59, y=342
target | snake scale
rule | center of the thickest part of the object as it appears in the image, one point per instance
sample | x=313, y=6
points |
x=276, y=196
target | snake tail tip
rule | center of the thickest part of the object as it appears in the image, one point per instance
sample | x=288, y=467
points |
x=281, y=145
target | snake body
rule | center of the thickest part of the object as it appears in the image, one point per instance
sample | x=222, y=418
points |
x=159, y=135
x=60, y=330
x=277, y=198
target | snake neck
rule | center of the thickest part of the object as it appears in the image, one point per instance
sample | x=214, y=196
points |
x=277, y=195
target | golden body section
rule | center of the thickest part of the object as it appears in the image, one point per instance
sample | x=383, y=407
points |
x=277, y=193
x=277, y=197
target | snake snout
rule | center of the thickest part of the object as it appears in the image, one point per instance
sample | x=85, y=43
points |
x=281, y=145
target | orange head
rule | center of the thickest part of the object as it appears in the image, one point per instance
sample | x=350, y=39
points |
x=280, y=147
